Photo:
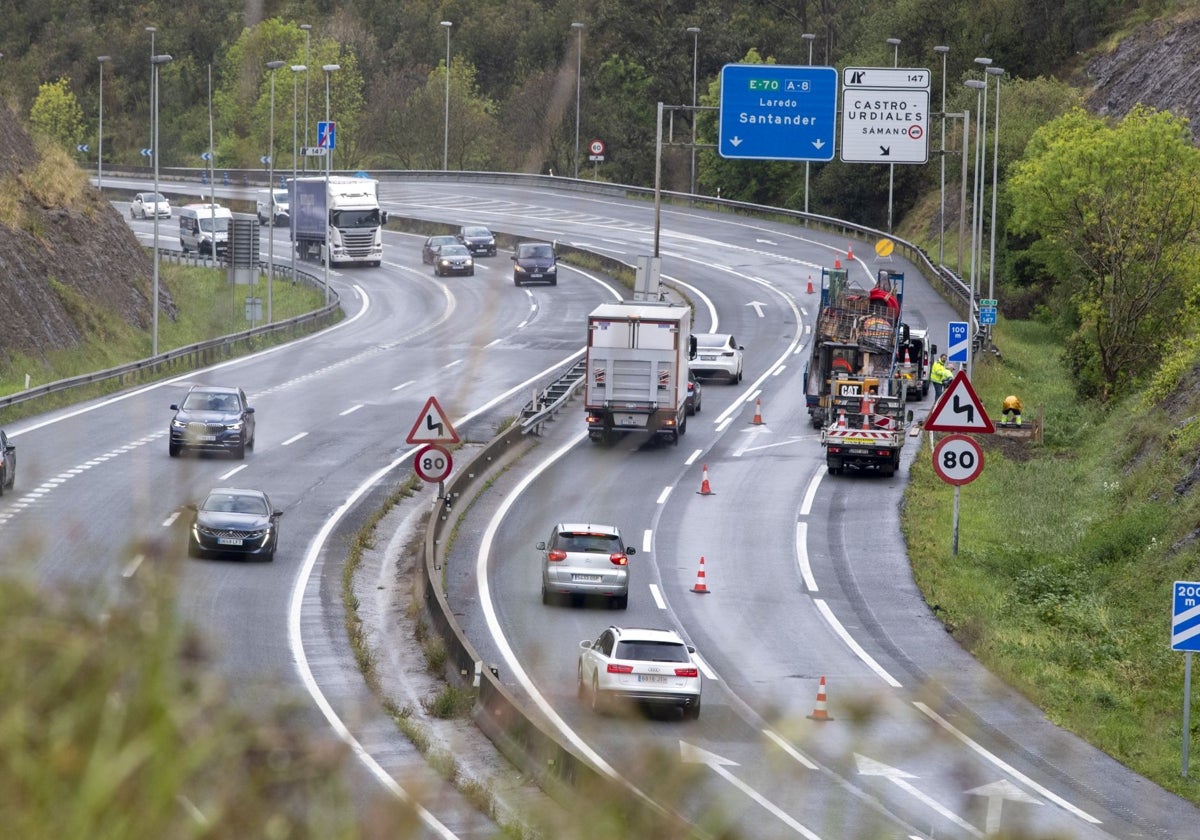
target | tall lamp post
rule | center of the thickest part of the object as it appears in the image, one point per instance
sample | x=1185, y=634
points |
x=895, y=42
x=100, y=132
x=307, y=29
x=151, y=30
x=446, y=121
x=296, y=69
x=272, y=66
x=978, y=87
x=694, y=31
x=155, y=62
x=578, y=27
x=981, y=159
x=997, y=72
x=810, y=37
x=942, y=51
x=328, y=68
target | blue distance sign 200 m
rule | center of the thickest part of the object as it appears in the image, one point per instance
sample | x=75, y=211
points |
x=778, y=112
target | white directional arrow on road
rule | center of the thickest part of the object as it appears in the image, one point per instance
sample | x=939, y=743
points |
x=871, y=767
x=996, y=793
x=758, y=305
x=692, y=754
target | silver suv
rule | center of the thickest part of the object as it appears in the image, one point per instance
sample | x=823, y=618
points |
x=584, y=559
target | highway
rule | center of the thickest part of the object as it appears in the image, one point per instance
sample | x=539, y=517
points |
x=807, y=571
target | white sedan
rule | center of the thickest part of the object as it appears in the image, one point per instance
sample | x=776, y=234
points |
x=717, y=354
x=652, y=667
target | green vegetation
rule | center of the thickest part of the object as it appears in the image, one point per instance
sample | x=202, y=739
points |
x=207, y=307
x=1068, y=549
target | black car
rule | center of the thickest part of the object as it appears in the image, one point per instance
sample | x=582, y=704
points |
x=433, y=244
x=453, y=259
x=212, y=419
x=534, y=262
x=232, y=520
x=695, y=394
x=8, y=462
x=479, y=240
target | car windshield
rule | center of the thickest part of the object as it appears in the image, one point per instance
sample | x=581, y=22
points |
x=648, y=651
x=600, y=543
x=235, y=503
x=221, y=225
x=207, y=401
x=281, y=196
x=156, y=198
x=453, y=251
x=476, y=231
x=537, y=252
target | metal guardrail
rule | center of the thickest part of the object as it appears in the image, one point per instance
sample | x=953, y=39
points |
x=195, y=355
x=553, y=397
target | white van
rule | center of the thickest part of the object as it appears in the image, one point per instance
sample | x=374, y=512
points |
x=199, y=223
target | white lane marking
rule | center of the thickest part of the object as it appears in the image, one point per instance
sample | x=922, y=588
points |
x=294, y=438
x=647, y=537
x=350, y=410
x=811, y=493
x=782, y=743
x=691, y=459
x=132, y=566
x=802, y=556
x=1005, y=766
x=662, y=497
x=170, y=520
x=657, y=595
x=841, y=631
x=404, y=384
x=234, y=471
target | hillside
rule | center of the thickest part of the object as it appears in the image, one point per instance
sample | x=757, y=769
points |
x=68, y=265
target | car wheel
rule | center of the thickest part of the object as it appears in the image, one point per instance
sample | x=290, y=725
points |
x=692, y=712
x=516, y=281
x=554, y=282
x=193, y=549
x=173, y=449
x=131, y=213
x=621, y=601
x=3, y=481
x=239, y=451
x=696, y=407
x=597, y=700
x=471, y=273
x=580, y=689
x=547, y=598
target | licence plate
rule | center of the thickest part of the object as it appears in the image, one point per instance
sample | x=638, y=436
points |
x=704, y=358
x=208, y=438
x=536, y=275
x=651, y=678
x=857, y=450
x=586, y=578
x=228, y=541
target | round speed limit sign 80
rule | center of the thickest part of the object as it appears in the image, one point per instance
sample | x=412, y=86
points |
x=957, y=459
x=433, y=463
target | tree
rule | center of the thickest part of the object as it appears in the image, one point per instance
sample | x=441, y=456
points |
x=56, y=114
x=1117, y=213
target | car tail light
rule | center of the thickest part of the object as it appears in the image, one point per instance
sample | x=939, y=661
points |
x=556, y=555
x=834, y=450
x=686, y=672
x=614, y=668
x=619, y=559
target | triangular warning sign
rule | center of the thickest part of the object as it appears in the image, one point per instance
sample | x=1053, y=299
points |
x=959, y=410
x=432, y=425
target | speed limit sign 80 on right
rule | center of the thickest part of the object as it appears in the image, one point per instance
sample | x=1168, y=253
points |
x=433, y=463
x=957, y=459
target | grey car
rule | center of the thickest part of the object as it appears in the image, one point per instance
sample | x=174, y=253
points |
x=583, y=559
x=8, y=462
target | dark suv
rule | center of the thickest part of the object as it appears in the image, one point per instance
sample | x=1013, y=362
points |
x=534, y=262
x=212, y=419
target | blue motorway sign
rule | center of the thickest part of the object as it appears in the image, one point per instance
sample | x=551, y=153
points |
x=777, y=112
x=1185, y=617
x=326, y=134
x=957, y=341
x=987, y=315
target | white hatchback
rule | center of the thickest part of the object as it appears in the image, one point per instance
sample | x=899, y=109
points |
x=148, y=205
x=652, y=667
x=717, y=354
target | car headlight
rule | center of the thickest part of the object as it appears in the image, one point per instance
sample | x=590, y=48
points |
x=178, y=424
x=519, y=268
x=235, y=426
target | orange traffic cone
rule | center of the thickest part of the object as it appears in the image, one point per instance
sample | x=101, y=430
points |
x=841, y=421
x=810, y=288
x=849, y=251
x=819, y=713
x=837, y=264
x=701, y=586
x=867, y=410
x=907, y=358
x=705, y=488
x=757, y=421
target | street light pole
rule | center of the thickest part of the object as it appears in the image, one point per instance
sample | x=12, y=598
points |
x=272, y=66
x=578, y=27
x=307, y=27
x=296, y=68
x=810, y=37
x=895, y=42
x=997, y=72
x=155, y=63
x=695, y=33
x=981, y=159
x=942, y=212
x=978, y=86
x=100, y=139
x=328, y=68
x=446, y=121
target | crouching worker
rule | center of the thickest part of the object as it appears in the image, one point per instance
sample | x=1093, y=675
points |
x=1012, y=409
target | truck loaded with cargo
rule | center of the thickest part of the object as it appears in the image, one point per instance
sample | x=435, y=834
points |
x=637, y=369
x=338, y=217
x=867, y=430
